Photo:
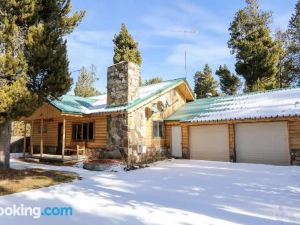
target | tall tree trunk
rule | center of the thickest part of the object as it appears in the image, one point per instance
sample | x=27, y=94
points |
x=5, y=135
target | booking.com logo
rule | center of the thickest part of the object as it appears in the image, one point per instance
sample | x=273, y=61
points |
x=35, y=212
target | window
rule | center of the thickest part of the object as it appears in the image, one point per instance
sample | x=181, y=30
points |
x=91, y=131
x=83, y=131
x=158, y=129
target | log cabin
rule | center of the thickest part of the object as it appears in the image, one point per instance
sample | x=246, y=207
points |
x=146, y=123
x=127, y=122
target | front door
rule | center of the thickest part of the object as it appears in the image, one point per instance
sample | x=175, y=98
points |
x=59, y=138
x=176, y=141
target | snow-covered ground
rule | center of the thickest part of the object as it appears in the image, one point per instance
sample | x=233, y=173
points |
x=170, y=192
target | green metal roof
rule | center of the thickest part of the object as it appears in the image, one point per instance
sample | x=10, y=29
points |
x=152, y=93
x=78, y=105
x=72, y=104
x=198, y=106
x=267, y=104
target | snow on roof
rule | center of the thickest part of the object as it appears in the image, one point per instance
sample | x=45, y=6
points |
x=98, y=104
x=275, y=103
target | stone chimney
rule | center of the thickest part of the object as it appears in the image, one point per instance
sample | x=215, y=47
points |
x=123, y=82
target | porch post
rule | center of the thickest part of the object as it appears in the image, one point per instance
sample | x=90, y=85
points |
x=63, y=139
x=24, y=146
x=42, y=140
x=31, y=138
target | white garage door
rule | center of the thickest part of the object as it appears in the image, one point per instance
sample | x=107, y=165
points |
x=209, y=142
x=262, y=143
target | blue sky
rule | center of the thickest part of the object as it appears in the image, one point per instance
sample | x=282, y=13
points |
x=154, y=23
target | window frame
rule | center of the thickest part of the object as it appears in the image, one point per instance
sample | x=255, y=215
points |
x=82, y=124
x=159, y=129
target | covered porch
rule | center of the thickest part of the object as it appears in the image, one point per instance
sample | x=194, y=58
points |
x=49, y=153
x=49, y=129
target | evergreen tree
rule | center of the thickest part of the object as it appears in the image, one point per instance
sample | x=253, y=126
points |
x=154, y=80
x=85, y=83
x=205, y=84
x=293, y=45
x=33, y=59
x=46, y=48
x=14, y=95
x=229, y=82
x=126, y=48
x=285, y=76
x=256, y=53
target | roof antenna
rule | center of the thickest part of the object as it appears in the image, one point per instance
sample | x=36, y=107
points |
x=185, y=32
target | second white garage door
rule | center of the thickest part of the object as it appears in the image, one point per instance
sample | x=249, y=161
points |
x=209, y=142
x=262, y=143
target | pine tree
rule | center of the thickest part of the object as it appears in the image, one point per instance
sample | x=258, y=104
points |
x=85, y=83
x=256, y=53
x=33, y=59
x=205, y=84
x=229, y=82
x=46, y=48
x=293, y=45
x=285, y=76
x=154, y=80
x=126, y=48
x=14, y=95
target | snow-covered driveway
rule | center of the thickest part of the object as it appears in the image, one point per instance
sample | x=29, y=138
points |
x=170, y=192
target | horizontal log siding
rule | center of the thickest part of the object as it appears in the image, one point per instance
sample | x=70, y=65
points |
x=100, y=131
x=50, y=138
x=168, y=132
x=46, y=111
x=294, y=134
x=231, y=131
x=185, y=137
x=168, y=135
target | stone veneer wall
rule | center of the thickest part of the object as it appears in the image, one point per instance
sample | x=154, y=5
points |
x=142, y=147
x=117, y=135
x=131, y=133
x=123, y=82
x=136, y=136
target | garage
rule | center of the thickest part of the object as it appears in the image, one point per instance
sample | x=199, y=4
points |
x=209, y=142
x=263, y=127
x=262, y=143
